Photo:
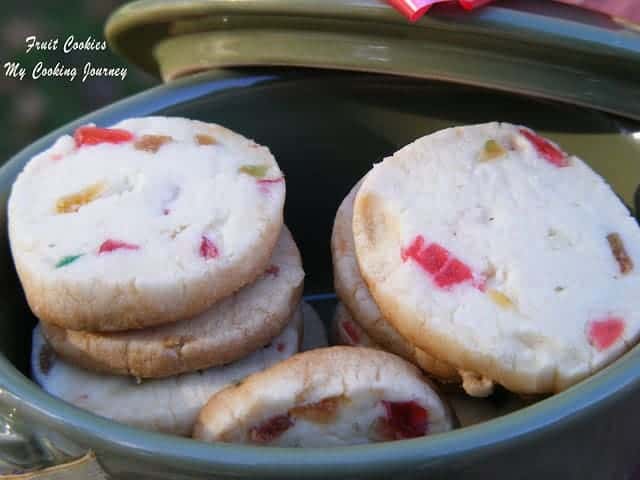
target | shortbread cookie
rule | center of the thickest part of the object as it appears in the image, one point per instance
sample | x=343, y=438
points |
x=167, y=405
x=325, y=397
x=346, y=331
x=352, y=290
x=315, y=333
x=148, y=222
x=231, y=329
x=498, y=252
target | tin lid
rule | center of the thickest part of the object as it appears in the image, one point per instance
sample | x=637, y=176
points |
x=539, y=49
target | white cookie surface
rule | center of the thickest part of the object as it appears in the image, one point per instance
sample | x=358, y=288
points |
x=502, y=255
x=168, y=405
x=148, y=222
x=327, y=397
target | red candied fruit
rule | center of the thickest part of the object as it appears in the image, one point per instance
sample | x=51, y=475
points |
x=110, y=245
x=270, y=429
x=96, y=135
x=604, y=333
x=436, y=260
x=208, y=249
x=280, y=347
x=351, y=331
x=405, y=420
x=273, y=270
x=453, y=273
x=545, y=148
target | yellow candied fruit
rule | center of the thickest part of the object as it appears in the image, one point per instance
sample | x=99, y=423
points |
x=72, y=203
x=500, y=299
x=491, y=151
x=257, y=171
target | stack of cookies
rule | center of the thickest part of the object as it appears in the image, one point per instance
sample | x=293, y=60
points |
x=488, y=256
x=155, y=256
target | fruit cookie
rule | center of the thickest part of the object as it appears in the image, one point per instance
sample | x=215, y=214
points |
x=315, y=333
x=353, y=291
x=168, y=405
x=231, y=329
x=498, y=252
x=148, y=222
x=329, y=396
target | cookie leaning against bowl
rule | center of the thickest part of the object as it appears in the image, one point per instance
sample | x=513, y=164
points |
x=168, y=405
x=148, y=222
x=329, y=396
x=353, y=291
x=495, y=250
x=231, y=329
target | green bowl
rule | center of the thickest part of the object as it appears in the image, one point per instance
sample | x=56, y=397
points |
x=326, y=129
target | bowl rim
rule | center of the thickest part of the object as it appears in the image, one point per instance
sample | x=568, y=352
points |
x=24, y=398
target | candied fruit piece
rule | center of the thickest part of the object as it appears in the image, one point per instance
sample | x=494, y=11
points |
x=403, y=420
x=270, y=429
x=620, y=253
x=491, y=151
x=453, y=273
x=64, y=261
x=151, y=143
x=273, y=270
x=72, y=203
x=351, y=331
x=203, y=139
x=436, y=260
x=208, y=249
x=500, y=299
x=110, y=245
x=604, y=333
x=545, y=148
x=257, y=171
x=324, y=411
x=95, y=135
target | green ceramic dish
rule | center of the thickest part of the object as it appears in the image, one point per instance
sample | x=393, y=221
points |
x=326, y=129
x=536, y=48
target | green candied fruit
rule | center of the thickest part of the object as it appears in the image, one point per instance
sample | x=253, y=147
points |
x=258, y=171
x=64, y=261
x=491, y=151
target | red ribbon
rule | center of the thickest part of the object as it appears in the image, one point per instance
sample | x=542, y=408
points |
x=624, y=9
x=414, y=9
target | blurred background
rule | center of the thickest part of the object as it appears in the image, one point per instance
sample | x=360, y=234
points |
x=30, y=108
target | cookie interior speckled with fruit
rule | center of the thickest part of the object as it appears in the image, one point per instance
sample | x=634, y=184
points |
x=326, y=129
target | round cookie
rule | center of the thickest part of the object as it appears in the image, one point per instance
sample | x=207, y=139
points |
x=168, y=405
x=352, y=290
x=148, y=222
x=501, y=254
x=231, y=329
x=326, y=397
x=315, y=333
